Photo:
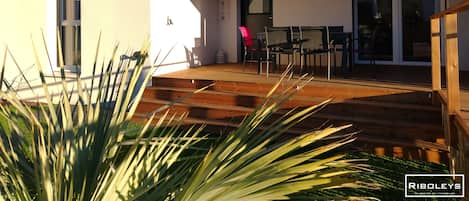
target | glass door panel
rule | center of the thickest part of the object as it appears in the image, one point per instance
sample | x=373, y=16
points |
x=416, y=29
x=375, y=31
x=69, y=20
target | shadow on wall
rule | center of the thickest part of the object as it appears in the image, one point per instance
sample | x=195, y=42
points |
x=206, y=44
x=185, y=29
x=54, y=83
x=193, y=57
x=177, y=28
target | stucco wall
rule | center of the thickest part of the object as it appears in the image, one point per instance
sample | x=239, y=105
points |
x=122, y=21
x=129, y=22
x=228, y=18
x=22, y=22
x=313, y=13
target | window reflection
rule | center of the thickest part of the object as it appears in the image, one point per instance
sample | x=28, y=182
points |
x=375, y=36
x=260, y=6
x=69, y=15
x=416, y=29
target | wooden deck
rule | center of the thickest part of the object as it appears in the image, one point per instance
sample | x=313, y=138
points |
x=394, y=77
x=395, y=117
x=248, y=73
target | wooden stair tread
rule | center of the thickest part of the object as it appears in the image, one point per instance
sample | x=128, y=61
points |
x=376, y=121
x=317, y=115
x=386, y=115
x=202, y=105
x=311, y=99
x=322, y=82
x=361, y=137
x=384, y=95
x=199, y=83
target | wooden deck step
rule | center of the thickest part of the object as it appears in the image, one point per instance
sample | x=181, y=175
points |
x=319, y=90
x=227, y=111
x=235, y=114
x=219, y=125
x=158, y=92
x=400, y=118
x=352, y=108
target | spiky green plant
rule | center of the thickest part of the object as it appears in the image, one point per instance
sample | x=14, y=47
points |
x=75, y=149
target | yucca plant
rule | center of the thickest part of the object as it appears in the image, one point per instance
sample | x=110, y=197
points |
x=77, y=148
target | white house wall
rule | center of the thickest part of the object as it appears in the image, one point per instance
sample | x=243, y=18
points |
x=119, y=21
x=195, y=28
x=228, y=18
x=313, y=13
x=24, y=21
x=192, y=32
x=211, y=36
x=175, y=25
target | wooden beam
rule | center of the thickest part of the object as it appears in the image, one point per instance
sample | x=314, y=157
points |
x=452, y=62
x=436, y=54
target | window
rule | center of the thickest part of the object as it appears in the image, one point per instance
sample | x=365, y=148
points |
x=394, y=31
x=69, y=23
x=375, y=29
x=260, y=6
x=416, y=29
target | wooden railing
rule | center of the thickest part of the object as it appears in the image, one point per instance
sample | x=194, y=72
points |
x=456, y=129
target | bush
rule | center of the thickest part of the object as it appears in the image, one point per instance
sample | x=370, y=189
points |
x=77, y=150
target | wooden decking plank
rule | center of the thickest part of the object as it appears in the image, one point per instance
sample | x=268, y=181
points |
x=394, y=114
x=305, y=98
x=360, y=137
x=250, y=109
x=237, y=73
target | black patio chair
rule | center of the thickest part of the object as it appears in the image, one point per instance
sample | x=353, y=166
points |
x=312, y=36
x=276, y=43
x=251, y=49
x=341, y=42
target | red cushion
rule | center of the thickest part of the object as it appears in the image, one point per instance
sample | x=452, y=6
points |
x=246, y=34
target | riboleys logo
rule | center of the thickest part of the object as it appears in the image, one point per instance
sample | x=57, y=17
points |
x=434, y=185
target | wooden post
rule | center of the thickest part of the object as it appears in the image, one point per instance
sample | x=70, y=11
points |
x=436, y=54
x=452, y=62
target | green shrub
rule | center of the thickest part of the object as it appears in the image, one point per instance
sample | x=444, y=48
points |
x=77, y=150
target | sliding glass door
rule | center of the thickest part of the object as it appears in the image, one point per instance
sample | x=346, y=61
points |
x=416, y=29
x=69, y=21
x=375, y=35
x=393, y=31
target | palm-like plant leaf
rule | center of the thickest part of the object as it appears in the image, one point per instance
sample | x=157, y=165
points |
x=76, y=148
x=70, y=150
x=252, y=165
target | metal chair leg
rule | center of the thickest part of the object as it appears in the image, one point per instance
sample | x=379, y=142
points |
x=301, y=64
x=244, y=60
x=259, y=66
x=320, y=61
x=314, y=65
